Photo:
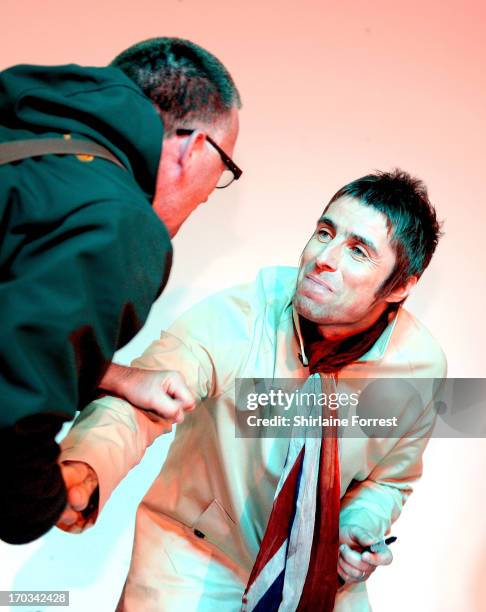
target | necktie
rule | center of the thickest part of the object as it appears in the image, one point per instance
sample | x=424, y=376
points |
x=295, y=569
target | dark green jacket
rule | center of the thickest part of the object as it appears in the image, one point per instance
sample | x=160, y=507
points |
x=82, y=258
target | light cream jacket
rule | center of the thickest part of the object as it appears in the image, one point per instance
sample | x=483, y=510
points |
x=215, y=491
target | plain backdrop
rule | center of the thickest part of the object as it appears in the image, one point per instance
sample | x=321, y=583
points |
x=331, y=90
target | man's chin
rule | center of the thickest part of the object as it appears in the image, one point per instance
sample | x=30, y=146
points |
x=307, y=308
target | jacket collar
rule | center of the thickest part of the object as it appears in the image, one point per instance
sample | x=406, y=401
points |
x=376, y=352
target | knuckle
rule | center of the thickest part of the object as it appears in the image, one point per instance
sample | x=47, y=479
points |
x=346, y=556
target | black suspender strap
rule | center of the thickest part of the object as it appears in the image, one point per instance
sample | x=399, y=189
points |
x=16, y=150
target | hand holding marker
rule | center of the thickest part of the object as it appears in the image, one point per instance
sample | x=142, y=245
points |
x=374, y=548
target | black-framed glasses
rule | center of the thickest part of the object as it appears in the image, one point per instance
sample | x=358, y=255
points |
x=231, y=173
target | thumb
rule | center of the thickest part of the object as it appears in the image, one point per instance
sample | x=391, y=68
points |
x=165, y=406
x=179, y=391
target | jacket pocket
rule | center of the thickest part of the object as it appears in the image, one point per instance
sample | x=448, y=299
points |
x=217, y=527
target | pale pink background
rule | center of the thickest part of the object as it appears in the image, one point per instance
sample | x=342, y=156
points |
x=331, y=90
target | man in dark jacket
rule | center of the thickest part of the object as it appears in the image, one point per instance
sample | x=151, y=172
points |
x=85, y=238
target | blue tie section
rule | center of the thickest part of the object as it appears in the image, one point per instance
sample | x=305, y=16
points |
x=273, y=597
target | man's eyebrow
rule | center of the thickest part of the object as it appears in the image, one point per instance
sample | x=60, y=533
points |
x=327, y=221
x=365, y=241
x=356, y=237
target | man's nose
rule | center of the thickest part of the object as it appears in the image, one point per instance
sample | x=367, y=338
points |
x=328, y=257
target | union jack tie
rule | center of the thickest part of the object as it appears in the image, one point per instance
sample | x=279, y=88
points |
x=296, y=567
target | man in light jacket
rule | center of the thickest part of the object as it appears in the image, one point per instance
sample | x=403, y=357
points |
x=202, y=526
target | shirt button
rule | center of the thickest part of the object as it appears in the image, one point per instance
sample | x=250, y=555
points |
x=199, y=534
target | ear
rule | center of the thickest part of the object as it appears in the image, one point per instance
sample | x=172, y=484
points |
x=399, y=294
x=191, y=147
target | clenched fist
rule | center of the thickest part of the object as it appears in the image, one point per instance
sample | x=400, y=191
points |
x=163, y=392
x=81, y=482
